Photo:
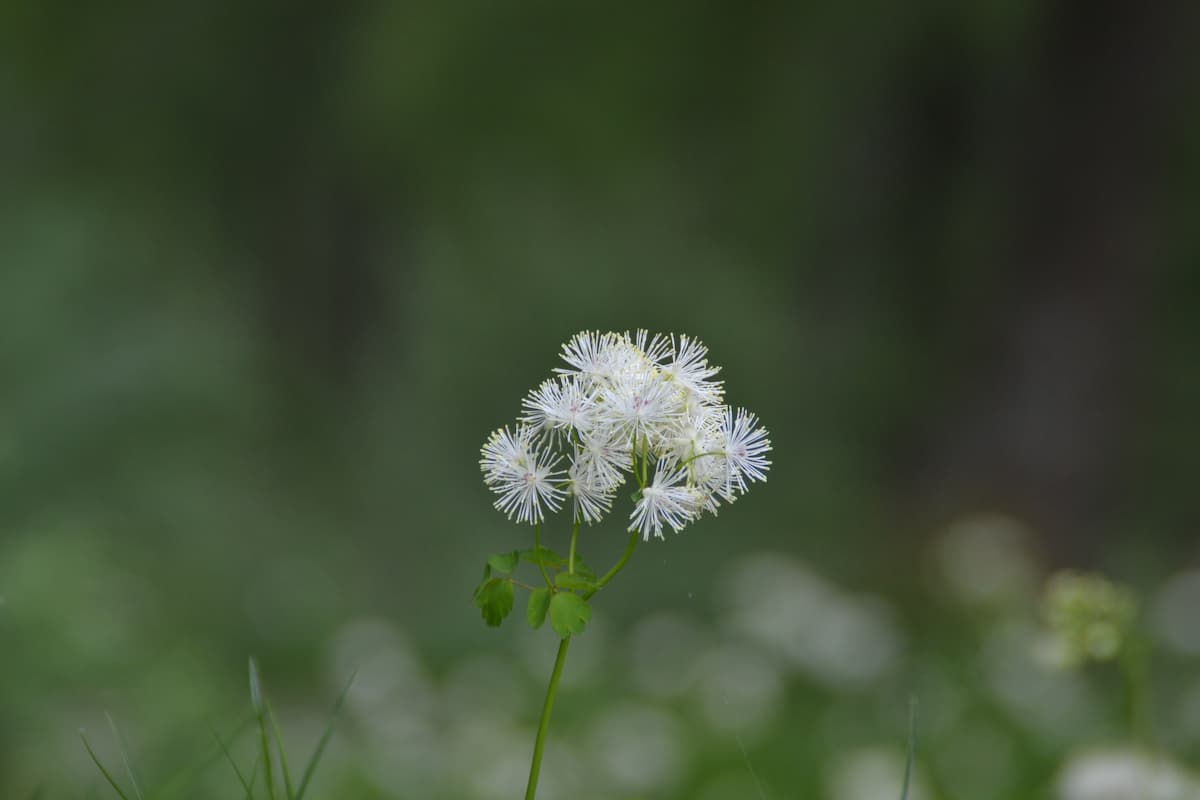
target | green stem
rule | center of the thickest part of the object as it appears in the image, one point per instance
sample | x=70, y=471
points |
x=535, y=767
x=645, y=443
x=637, y=465
x=571, y=554
x=612, y=573
x=537, y=548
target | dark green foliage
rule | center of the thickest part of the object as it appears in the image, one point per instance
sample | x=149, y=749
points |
x=539, y=604
x=569, y=614
x=494, y=598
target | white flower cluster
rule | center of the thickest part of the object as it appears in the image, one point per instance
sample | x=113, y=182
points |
x=627, y=405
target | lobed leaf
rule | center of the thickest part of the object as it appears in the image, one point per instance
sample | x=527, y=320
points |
x=539, y=604
x=577, y=581
x=504, y=562
x=549, y=558
x=569, y=614
x=495, y=600
x=583, y=570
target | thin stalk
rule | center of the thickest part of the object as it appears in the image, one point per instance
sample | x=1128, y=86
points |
x=688, y=461
x=639, y=466
x=537, y=545
x=571, y=554
x=645, y=459
x=535, y=767
x=612, y=573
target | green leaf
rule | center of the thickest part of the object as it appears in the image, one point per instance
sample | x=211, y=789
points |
x=539, y=604
x=124, y=755
x=107, y=775
x=229, y=757
x=264, y=739
x=256, y=697
x=504, y=562
x=583, y=571
x=576, y=581
x=549, y=558
x=289, y=791
x=316, y=756
x=569, y=614
x=495, y=600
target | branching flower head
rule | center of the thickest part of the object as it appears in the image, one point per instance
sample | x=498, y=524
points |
x=627, y=405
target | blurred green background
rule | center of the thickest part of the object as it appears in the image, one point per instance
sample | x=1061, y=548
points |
x=270, y=272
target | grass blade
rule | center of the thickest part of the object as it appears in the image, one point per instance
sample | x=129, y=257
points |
x=124, y=755
x=264, y=740
x=287, y=775
x=325, y=736
x=181, y=780
x=246, y=785
x=913, y=708
x=107, y=775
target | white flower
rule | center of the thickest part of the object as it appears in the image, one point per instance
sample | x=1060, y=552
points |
x=640, y=407
x=591, y=355
x=604, y=459
x=745, y=447
x=592, y=497
x=694, y=434
x=689, y=369
x=1124, y=774
x=505, y=453
x=523, y=476
x=665, y=501
x=559, y=406
x=653, y=349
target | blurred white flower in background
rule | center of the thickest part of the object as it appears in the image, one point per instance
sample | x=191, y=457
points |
x=387, y=671
x=1052, y=702
x=665, y=649
x=1175, y=613
x=403, y=749
x=942, y=694
x=741, y=690
x=873, y=773
x=588, y=654
x=498, y=756
x=393, y=701
x=498, y=753
x=984, y=559
x=839, y=639
x=1123, y=774
x=638, y=749
x=487, y=685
